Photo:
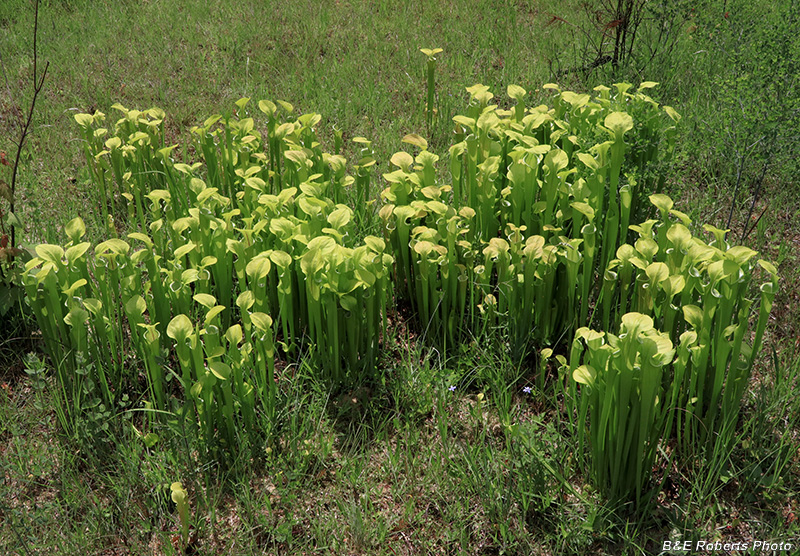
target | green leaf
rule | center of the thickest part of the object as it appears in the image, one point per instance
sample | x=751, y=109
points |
x=657, y=272
x=197, y=388
x=77, y=251
x=261, y=321
x=593, y=338
x=245, y=300
x=220, y=370
x=84, y=120
x=298, y=157
x=769, y=267
x=113, y=143
x=340, y=217
x=115, y=246
x=180, y=328
x=430, y=52
x=281, y=258
x=693, y=315
x=234, y=334
x=647, y=247
x=584, y=375
x=348, y=303
x=416, y=140
x=679, y=235
x=205, y=299
x=516, y=92
x=465, y=121
x=159, y=195
x=576, y=100
x=284, y=129
x=166, y=151
x=50, y=253
x=719, y=270
x=136, y=305
x=585, y=209
x=75, y=229
x=635, y=323
x=556, y=160
x=189, y=275
x=740, y=254
x=259, y=267
x=184, y=249
x=179, y=495
x=267, y=107
x=213, y=313
x=402, y=160
x=256, y=183
x=286, y=106
x=375, y=243
x=93, y=305
x=672, y=113
x=674, y=285
x=69, y=292
x=310, y=119
x=619, y=123
x=661, y=201
x=76, y=317
x=144, y=238
x=497, y=247
x=150, y=439
x=588, y=160
x=480, y=93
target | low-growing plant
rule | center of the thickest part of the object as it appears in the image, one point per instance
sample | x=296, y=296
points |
x=181, y=499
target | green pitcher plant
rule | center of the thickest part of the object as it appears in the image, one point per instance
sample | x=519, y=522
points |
x=702, y=295
x=620, y=377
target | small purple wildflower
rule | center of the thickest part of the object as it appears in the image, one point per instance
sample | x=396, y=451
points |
x=452, y=388
x=527, y=389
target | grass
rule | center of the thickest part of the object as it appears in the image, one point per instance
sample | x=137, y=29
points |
x=383, y=471
x=402, y=465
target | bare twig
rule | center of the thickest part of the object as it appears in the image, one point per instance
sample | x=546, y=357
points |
x=739, y=168
x=759, y=183
x=25, y=124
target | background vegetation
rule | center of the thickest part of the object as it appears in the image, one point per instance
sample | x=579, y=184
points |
x=403, y=465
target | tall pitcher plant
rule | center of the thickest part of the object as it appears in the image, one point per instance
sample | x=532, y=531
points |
x=700, y=294
x=620, y=377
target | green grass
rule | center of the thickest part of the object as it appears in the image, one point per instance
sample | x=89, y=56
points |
x=383, y=470
x=402, y=465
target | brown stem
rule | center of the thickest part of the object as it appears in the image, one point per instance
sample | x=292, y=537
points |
x=38, y=84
